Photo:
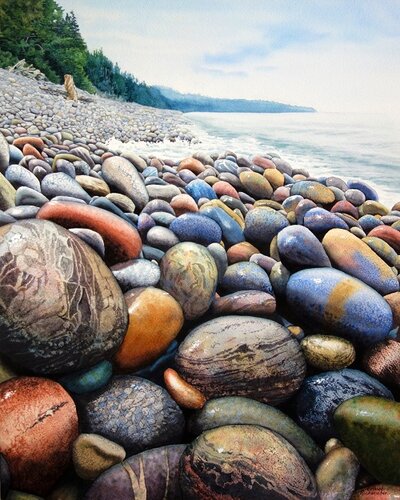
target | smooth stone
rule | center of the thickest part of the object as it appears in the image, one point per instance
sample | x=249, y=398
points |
x=234, y=204
x=69, y=198
x=122, y=241
x=244, y=461
x=106, y=204
x=121, y=201
x=249, y=302
x=382, y=360
x=152, y=474
x=219, y=204
x=383, y=249
x=321, y=394
x=370, y=427
x=136, y=160
x=93, y=186
x=158, y=206
x=388, y=234
x=151, y=253
x=7, y=193
x=87, y=380
x=77, y=319
x=231, y=230
x=16, y=156
x=136, y=273
x=4, y=477
x=182, y=204
x=227, y=166
x=93, y=454
x=161, y=237
x=373, y=208
x=93, y=239
x=19, y=176
x=393, y=299
x=242, y=356
x=28, y=196
x=238, y=411
x=121, y=174
x=256, y=185
x=192, y=164
x=355, y=197
x=336, y=476
x=290, y=204
x=189, y=274
x=262, y=224
x=65, y=166
x=200, y=189
x=274, y=177
x=267, y=263
x=336, y=182
x=155, y=319
x=345, y=207
x=279, y=278
x=6, y=218
x=220, y=257
x=245, y=276
x=196, y=228
x=332, y=300
x=6, y=372
x=326, y=352
x=302, y=208
x=4, y=154
x=319, y=221
x=166, y=193
x=354, y=257
x=223, y=188
x=241, y=252
x=369, y=192
x=133, y=412
x=38, y=423
x=162, y=218
x=314, y=191
x=298, y=248
x=23, y=212
x=61, y=184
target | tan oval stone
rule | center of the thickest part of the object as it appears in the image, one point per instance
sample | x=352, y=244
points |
x=327, y=352
x=93, y=185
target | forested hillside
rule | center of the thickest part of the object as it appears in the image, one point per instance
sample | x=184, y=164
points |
x=40, y=32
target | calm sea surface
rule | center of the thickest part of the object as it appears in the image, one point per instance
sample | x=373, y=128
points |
x=350, y=146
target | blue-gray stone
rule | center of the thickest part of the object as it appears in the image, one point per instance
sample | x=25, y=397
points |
x=196, y=228
x=246, y=276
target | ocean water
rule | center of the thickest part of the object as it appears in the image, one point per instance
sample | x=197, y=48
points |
x=350, y=146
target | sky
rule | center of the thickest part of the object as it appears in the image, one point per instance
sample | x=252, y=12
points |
x=334, y=55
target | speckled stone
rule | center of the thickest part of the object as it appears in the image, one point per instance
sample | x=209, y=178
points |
x=382, y=249
x=231, y=230
x=378, y=492
x=92, y=185
x=370, y=426
x=133, y=412
x=76, y=319
x=121, y=174
x=326, y=352
x=19, y=176
x=393, y=299
x=94, y=454
x=256, y=185
x=238, y=411
x=38, y=423
x=155, y=319
x=189, y=274
x=321, y=394
x=298, y=248
x=152, y=474
x=200, y=189
x=242, y=356
x=122, y=241
x=262, y=224
x=382, y=360
x=244, y=461
x=314, y=191
x=351, y=255
x=319, y=221
x=196, y=228
x=245, y=276
x=345, y=306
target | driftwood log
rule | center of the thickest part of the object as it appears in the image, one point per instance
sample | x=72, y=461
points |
x=69, y=85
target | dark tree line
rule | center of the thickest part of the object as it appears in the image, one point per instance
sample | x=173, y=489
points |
x=40, y=32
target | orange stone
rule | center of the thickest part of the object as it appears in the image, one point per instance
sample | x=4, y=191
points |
x=183, y=203
x=37, y=142
x=38, y=423
x=29, y=150
x=155, y=319
x=191, y=164
x=182, y=392
x=122, y=241
x=222, y=188
x=393, y=299
x=241, y=252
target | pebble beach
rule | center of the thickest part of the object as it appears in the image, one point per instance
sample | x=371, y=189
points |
x=219, y=326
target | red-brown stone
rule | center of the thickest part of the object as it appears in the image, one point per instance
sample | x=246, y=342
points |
x=346, y=207
x=122, y=241
x=263, y=162
x=191, y=164
x=388, y=234
x=222, y=188
x=37, y=142
x=38, y=424
x=29, y=150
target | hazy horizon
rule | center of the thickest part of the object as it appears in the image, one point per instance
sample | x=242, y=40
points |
x=332, y=55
